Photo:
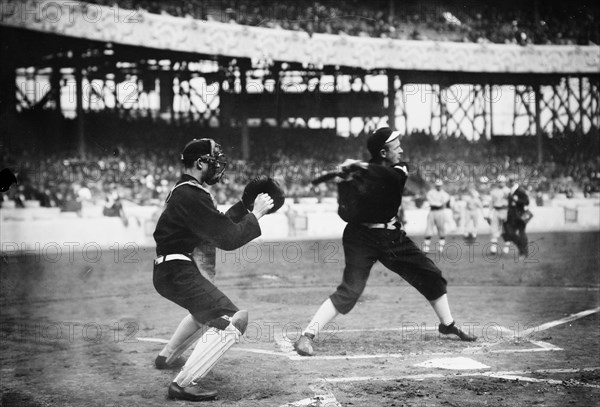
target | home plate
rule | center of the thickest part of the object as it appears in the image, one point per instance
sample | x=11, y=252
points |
x=317, y=401
x=460, y=363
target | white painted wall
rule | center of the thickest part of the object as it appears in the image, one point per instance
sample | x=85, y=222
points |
x=31, y=228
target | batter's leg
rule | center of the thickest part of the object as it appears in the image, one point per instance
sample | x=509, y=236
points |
x=324, y=315
x=447, y=325
x=418, y=270
x=360, y=252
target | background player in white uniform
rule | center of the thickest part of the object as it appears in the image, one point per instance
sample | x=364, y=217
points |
x=438, y=200
x=498, y=212
x=473, y=210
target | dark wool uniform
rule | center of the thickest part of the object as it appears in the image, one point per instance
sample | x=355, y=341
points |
x=514, y=227
x=189, y=221
x=373, y=233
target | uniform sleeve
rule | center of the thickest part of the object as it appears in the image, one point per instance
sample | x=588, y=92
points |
x=208, y=224
x=447, y=199
x=430, y=196
x=237, y=212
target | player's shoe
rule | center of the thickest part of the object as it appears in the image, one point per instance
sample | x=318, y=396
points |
x=452, y=329
x=161, y=363
x=303, y=346
x=190, y=393
x=493, y=249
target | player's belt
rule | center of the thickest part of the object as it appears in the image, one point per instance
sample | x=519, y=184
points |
x=171, y=257
x=436, y=208
x=392, y=224
x=500, y=207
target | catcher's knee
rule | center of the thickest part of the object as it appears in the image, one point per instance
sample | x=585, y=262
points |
x=239, y=320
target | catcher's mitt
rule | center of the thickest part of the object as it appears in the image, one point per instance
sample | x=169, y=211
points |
x=263, y=185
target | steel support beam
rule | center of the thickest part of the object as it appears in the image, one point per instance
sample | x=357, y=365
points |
x=391, y=98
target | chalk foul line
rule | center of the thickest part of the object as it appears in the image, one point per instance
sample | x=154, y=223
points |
x=507, y=375
x=286, y=346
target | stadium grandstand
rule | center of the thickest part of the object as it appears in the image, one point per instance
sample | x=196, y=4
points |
x=533, y=22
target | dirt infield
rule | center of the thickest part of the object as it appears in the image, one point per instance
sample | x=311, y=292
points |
x=82, y=329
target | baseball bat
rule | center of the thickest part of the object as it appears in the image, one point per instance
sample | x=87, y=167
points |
x=328, y=176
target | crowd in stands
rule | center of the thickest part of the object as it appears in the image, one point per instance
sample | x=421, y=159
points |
x=567, y=168
x=537, y=22
x=142, y=167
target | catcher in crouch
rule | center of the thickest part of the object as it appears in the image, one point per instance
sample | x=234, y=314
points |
x=187, y=234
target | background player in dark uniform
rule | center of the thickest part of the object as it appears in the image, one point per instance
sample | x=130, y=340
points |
x=191, y=223
x=373, y=233
x=514, y=228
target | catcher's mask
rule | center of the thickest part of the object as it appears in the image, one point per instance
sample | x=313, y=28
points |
x=207, y=151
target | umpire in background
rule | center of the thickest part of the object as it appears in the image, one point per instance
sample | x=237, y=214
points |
x=373, y=233
x=190, y=221
x=514, y=227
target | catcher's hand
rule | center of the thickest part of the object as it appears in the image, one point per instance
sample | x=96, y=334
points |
x=263, y=185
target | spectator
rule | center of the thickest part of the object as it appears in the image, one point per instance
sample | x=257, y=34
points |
x=428, y=20
x=113, y=206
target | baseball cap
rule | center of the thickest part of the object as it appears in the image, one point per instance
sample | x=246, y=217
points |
x=439, y=183
x=379, y=138
x=196, y=149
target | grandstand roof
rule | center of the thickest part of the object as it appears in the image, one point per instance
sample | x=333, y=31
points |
x=33, y=35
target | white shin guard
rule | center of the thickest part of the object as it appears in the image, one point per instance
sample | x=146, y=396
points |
x=186, y=344
x=210, y=348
